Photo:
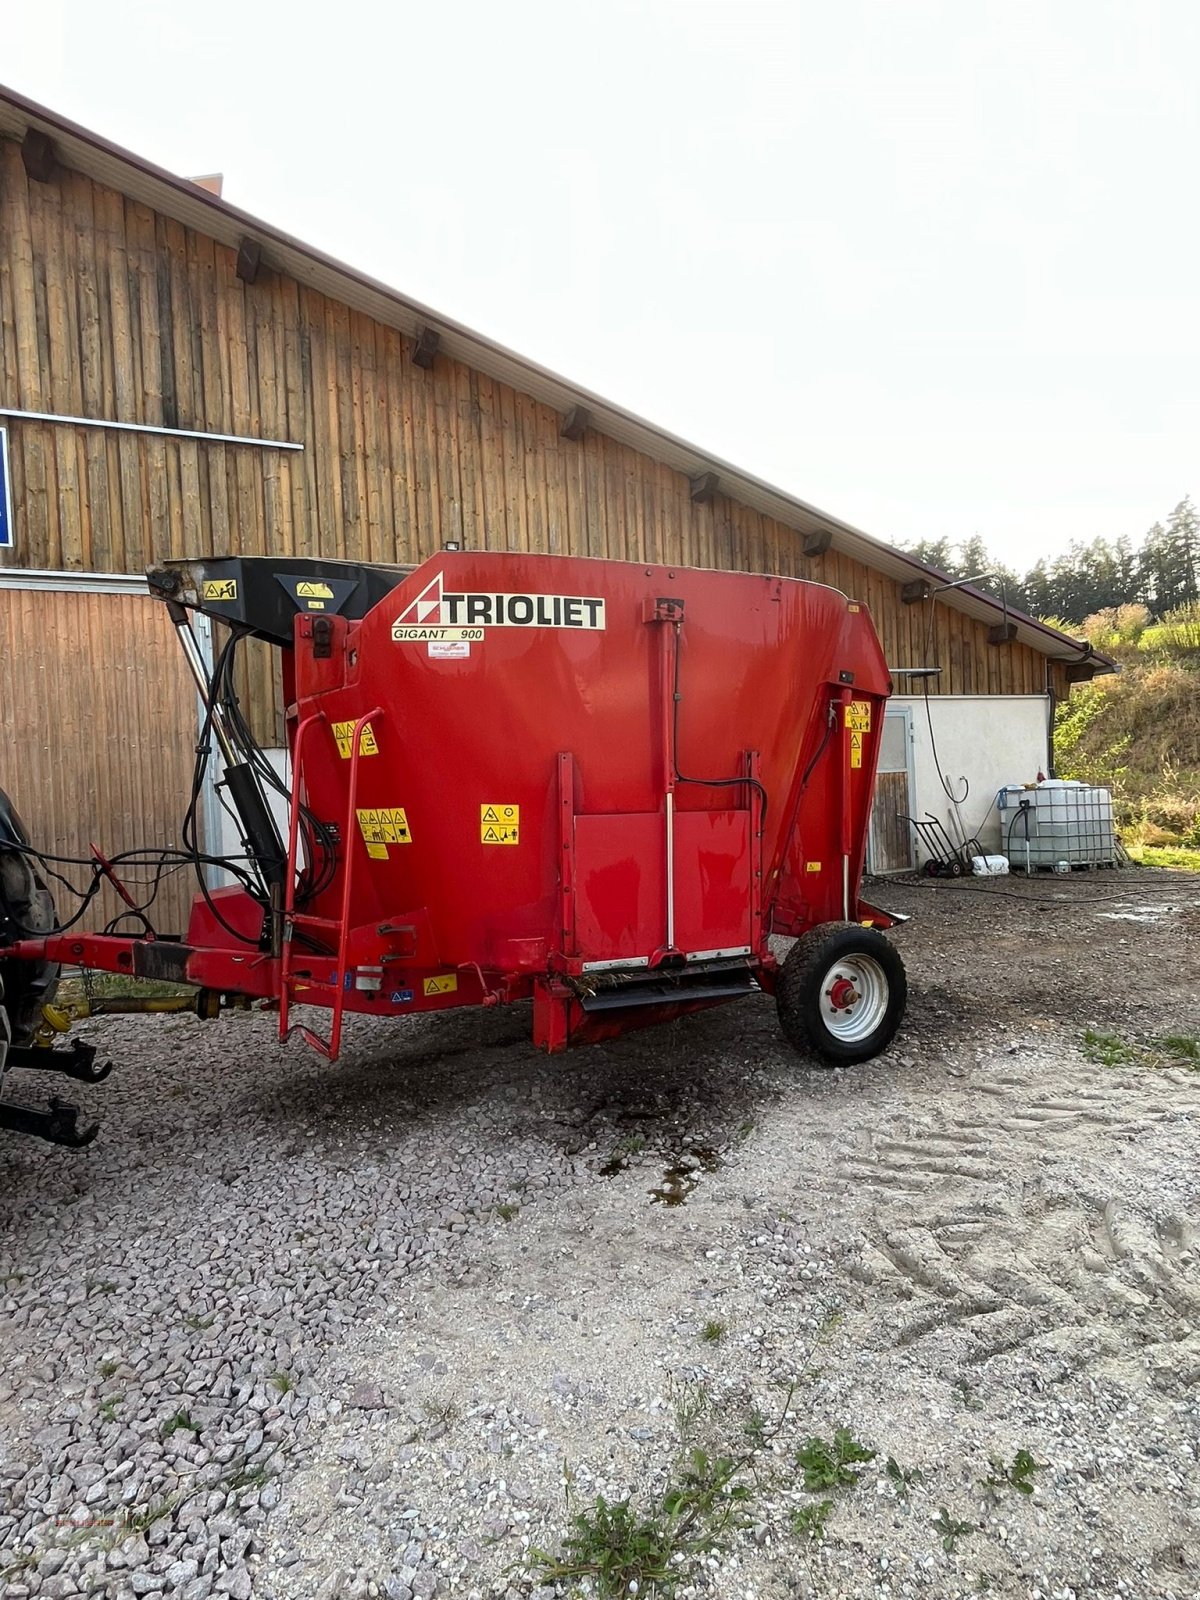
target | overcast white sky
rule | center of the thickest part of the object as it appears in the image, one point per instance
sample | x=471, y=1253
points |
x=929, y=264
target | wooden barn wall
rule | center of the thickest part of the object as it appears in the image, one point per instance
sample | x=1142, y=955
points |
x=110, y=310
x=77, y=672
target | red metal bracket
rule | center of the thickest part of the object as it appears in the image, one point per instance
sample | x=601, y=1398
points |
x=329, y=1049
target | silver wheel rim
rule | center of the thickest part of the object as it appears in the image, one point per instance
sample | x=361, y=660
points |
x=854, y=998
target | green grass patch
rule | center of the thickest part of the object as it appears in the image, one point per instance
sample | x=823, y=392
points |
x=713, y=1332
x=1176, y=858
x=1168, y=1050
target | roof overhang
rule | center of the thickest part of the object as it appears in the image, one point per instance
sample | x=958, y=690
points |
x=196, y=208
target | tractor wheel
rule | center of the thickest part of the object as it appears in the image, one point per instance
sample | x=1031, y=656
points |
x=26, y=911
x=841, y=993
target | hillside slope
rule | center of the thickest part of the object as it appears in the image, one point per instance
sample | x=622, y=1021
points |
x=1138, y=732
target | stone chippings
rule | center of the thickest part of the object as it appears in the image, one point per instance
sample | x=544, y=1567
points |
x=168, y=1296
x=272, y=1337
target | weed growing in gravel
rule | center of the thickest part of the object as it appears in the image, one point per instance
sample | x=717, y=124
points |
x=1107, y=1049
x=106, y=1369
x=755, y=1428
x=180, y=1419
x=282, y=1382
x=951, y=1529
x=620, y=1549
x=690, y=1402
x=245, y=1476
x=197, y=1324
x=108, y=1407
x=713, y=1332
x=1018, y=1476
x=902, y=1479
x=440, y=1415
x=809, y=1522
x=507, y=1211
x=143, y=1520
x=1171, y=1050
x=832, y=1465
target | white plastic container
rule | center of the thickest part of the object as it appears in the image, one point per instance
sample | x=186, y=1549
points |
x=989, y=866
x=1064, y=821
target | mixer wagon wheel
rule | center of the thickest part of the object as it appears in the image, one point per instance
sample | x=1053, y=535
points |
x=841, y=993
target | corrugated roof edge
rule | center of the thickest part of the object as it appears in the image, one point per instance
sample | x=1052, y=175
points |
x=194, y=207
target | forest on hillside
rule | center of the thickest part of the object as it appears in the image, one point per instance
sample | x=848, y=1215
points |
x=1160, y=570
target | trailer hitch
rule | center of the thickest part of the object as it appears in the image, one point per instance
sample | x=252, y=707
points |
x=79, y=1062
x=57, y=1124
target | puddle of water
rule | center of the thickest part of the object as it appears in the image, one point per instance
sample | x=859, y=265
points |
x=1142, y=913
x=681, y=1178
x=678, y=1182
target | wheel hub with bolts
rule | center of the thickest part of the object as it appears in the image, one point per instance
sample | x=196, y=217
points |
x=841, y=994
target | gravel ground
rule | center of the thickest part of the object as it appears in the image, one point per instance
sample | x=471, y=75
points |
x=288, y=1331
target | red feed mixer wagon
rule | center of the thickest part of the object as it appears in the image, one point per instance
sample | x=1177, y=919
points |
x=595, y=785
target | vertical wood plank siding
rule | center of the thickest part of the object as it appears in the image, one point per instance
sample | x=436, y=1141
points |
x=77, y=674
x=109, y=310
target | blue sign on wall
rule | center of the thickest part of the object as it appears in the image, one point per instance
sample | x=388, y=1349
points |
x=6, y=522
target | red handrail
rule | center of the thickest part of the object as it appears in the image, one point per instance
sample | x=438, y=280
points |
x=329, y=1049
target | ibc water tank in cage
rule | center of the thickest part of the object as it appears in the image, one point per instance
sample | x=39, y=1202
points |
x=1056, y=821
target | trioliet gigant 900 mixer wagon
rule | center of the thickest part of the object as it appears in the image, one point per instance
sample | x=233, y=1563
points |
x=593, y=784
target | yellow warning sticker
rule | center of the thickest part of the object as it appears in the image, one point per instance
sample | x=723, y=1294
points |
x=219, y=589
x=382, y=826
x=812, y=866
x=343, y=732
x=313, y=591
x=500, y=824
x=444, y=983
x=858, y=716
x=856, y=758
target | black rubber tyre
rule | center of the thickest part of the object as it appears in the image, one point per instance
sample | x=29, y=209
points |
x=26, y=910
x=957, y=869
x=933, y=869
x=832, y=954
